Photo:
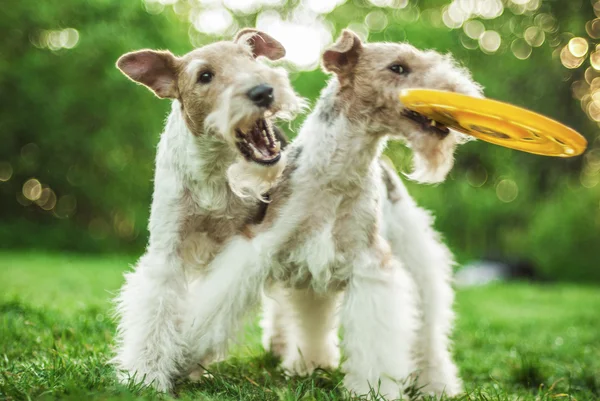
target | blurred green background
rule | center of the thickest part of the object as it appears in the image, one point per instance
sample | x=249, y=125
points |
x=77, y=139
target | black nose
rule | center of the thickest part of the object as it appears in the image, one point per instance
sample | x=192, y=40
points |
x=261, y=95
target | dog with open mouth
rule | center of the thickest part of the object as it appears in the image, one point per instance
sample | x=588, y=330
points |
x=343, y=242
x=218, y=156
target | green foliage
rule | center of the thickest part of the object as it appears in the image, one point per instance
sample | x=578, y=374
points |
x=512, y=342
x=69, y=119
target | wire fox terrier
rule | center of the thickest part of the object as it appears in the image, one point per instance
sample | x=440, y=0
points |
x=218, y=155
x=342, y=241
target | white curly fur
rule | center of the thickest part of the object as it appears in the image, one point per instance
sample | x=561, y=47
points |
x=342, y=243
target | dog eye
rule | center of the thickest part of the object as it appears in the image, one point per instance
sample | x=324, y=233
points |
x=205, y=77
x=398, y=69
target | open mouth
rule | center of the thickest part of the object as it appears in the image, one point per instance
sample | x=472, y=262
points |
x=259, y=143
x=427, y=124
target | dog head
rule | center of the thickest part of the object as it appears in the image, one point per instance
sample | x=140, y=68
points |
x=225, y=91
x=371, y=77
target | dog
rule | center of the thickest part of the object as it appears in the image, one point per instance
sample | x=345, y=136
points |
x=342, y=239
x=218, y=156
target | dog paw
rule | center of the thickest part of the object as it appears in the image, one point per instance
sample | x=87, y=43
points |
x=275, y=345
x=385, y=388
x=298, y=364
x=437, y=383
x=198, y=374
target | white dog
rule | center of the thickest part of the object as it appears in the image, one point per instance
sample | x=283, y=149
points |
x=218, y=155
x=341, y=223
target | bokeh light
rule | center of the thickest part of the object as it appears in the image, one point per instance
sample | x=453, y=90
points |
x=47, y=199
x=474, y=29
x=32, y=189
x=214, y=21
x=304, y=35
x=323, y=6
x=376, y=21
x=534, y=36
x=595, y=60
x=578, y=47
x=507, y=190
x=521, y=49
x=477, y=176
x=490, y=42
x=65, y=207
x=568, y=59
x=56, y=39
x=6, y=171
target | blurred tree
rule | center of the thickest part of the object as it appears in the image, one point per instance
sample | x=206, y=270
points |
x=78, y=139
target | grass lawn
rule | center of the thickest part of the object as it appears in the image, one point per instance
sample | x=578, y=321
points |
x=512, y=341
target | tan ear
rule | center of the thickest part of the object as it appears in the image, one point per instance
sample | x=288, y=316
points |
x=343, y=55
x=260, y=43
x=155, y=69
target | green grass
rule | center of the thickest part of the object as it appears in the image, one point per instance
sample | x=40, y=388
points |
x=512, y=341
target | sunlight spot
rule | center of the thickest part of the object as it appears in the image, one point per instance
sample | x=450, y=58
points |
x=32, y=189
x=376, y=21
x=546, y=22
x=474, y=29
x=568, y=59
x=323, y=6
x=47, y=200
x=490, y=41
x=213, y=21
x=507, y=190
x=6, y=171
x=534, y=36
x=595, y=60
x=578, y=47
x=579, y=89
x=304, y=35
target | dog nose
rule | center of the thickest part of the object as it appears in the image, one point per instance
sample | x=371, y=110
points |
x=261, y=95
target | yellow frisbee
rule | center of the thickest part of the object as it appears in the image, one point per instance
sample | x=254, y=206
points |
x=496, y=122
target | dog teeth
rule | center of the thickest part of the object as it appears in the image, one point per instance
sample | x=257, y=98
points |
x=433, y=123
x=277, y=146
x=270, y=131
x=255, y=151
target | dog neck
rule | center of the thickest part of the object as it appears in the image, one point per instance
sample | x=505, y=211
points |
x=199, y=162
x=203, y=157
x=343, y=149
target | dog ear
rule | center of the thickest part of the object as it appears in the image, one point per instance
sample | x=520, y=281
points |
x=260, y=43
x=343, y=55
x=155, y=69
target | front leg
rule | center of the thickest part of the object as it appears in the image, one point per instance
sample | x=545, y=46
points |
x=149, y=348
x=409, y=229
x=218, y=303
x=379, y=318
x=312, y=331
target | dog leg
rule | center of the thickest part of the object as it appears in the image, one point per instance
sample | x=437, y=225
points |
x=413, y=240
x=218, y=303
x=149, y=346
x=275, y=318
x=379, y=319
x=312, y=331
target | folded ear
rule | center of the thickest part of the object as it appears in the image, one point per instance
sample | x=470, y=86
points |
x=260, y=43
x=155, y=69
x=343, y=55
